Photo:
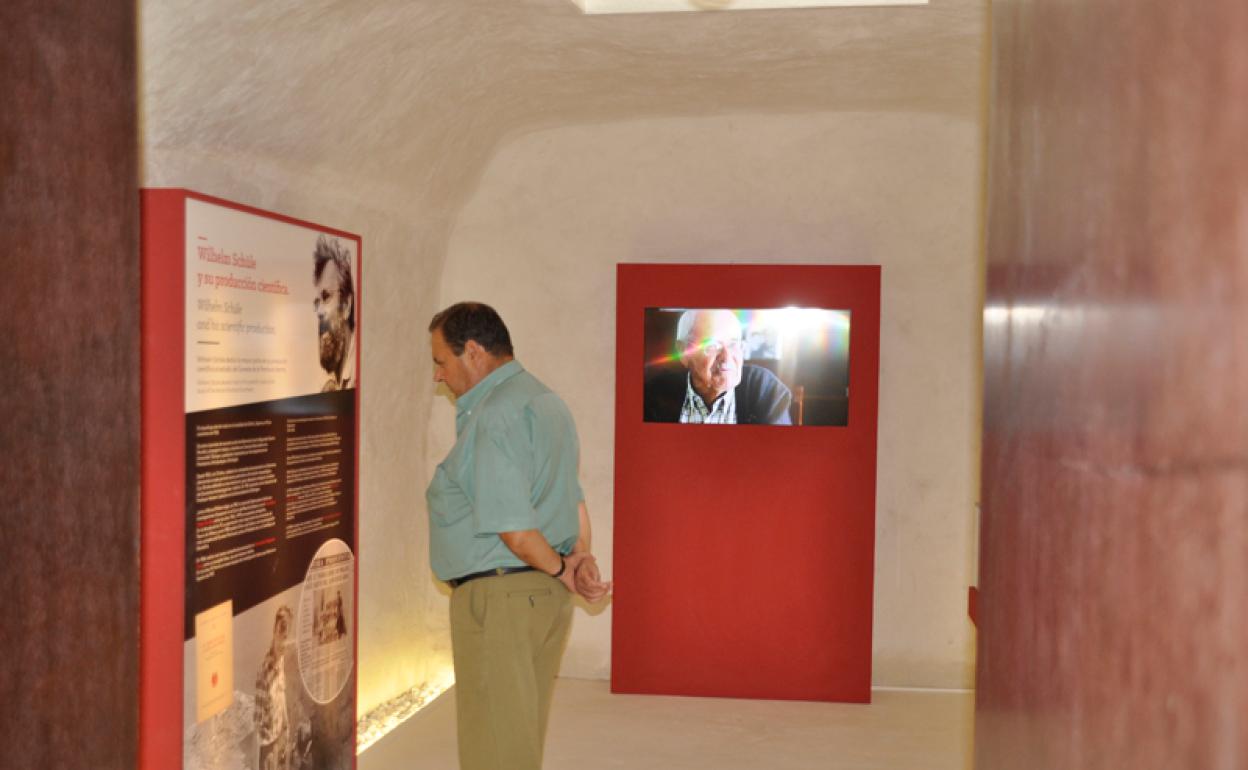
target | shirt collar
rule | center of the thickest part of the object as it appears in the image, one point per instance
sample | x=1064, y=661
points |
x=728, y=397
x=477, y=393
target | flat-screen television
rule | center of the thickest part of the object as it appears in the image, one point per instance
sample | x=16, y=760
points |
x=766, y=366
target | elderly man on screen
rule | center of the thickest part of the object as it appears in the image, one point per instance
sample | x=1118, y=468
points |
x=712, y=384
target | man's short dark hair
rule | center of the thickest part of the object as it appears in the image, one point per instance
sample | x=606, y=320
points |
x=331, y=250
x=465, y=321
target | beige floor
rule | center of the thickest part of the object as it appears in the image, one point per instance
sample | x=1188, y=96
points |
x=591, y=729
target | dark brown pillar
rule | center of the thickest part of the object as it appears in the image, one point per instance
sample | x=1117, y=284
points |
x=69, y=325
x=1114, y=574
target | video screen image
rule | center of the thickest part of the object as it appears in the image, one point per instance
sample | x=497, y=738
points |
x=771, y=366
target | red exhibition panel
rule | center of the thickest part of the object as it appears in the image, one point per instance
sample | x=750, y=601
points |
x=168, y=580
x=163, y=532
x=744, y=555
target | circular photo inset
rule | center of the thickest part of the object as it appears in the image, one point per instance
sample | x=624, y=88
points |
x=324, y=630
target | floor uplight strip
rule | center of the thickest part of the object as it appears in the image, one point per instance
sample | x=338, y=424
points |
x=374, y=725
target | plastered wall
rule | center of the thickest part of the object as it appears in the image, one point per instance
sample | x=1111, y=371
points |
x=556, y=210
x=406, y=121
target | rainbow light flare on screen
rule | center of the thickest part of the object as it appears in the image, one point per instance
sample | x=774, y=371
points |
x=822, y=330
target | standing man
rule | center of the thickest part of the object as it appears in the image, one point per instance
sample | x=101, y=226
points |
x=509, y=533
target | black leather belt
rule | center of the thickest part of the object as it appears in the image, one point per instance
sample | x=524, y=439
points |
x=459, y=581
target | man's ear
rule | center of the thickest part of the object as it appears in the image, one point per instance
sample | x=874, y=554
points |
x=473, y=350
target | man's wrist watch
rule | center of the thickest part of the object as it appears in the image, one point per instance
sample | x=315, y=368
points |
x=563, y=565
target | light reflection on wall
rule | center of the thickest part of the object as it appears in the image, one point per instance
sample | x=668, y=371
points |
x=374, y=725
x=1000, y=314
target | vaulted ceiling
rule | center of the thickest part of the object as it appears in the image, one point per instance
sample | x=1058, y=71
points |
x=392, y=88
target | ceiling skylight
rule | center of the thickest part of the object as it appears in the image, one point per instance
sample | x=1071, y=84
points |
x=663, y=6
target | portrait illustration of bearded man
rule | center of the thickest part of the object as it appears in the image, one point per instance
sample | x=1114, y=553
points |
x=335, y=312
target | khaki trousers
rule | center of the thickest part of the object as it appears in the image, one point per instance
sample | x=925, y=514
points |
x=507, y=636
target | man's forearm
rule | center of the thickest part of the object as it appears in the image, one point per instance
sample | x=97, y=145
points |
x=531, y=547
x=584, y=540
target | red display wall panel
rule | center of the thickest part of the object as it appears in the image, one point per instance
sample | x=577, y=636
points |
x=744, y=555
x=163, y=443
x=163, y=535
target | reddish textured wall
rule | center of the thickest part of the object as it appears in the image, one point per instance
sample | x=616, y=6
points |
x=69, y=419
x=1114, y=575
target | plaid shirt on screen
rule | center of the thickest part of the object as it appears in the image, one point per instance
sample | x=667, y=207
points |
x=694, y=410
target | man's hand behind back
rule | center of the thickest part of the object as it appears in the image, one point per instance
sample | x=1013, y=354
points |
x=587, y=581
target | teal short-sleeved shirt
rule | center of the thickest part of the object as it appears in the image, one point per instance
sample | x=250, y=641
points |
x=513, y=467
